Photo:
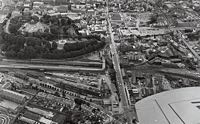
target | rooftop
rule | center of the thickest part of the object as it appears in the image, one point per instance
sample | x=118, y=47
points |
x=180, y=106
x=116, y=17
x=9, y=105
x=2, y=18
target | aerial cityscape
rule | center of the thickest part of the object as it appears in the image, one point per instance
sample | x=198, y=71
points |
x=99, y=61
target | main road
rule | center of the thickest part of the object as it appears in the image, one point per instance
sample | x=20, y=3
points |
x=188, y=46
x=117, y=68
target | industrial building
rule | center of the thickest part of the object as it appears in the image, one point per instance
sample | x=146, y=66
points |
x=13, y=96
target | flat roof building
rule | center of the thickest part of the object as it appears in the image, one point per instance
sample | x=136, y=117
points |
x=180, y=106
x=13, y=96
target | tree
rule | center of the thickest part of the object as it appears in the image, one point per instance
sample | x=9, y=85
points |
x=54, y=20
x=15, y=20
x=29, y=52
x=31, y=41
x=63, y=22
x=4, y=35
x=13, y=28
x=45, y=19
x=45, y=55
x=79, y=101
x=4, y=47
x=69, y=7
x=14, y=48
x=47, y=45
x=11, y=54
x=10, y=38
x=47, y=36
x=67, y=55
x=54, y=45
x=54, y=29
x=153, y=19
x=59, y=54
x=57, y=94
x=20, y=40
x=37, y=34
x=66, y=47
x=20, y=55
x=39, y=49
x=43, y=42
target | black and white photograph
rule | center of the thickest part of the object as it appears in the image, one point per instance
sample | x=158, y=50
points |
x=99, y=61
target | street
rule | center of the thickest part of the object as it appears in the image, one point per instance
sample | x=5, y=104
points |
x=117, y=69
x=189, y=47
x=116, y=64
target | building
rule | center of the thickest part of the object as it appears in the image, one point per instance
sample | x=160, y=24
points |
x=62, y=8
x=180, y=106
x=47, y=114
x=13, y=96
x=46, y=121
x=37, y=4
x=78, y=7
x=53, y=2
x=27, y=120
x=115, y=107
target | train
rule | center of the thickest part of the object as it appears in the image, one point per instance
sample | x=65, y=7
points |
x=81, y=91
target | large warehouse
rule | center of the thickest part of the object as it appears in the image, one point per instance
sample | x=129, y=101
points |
x=180, y=106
